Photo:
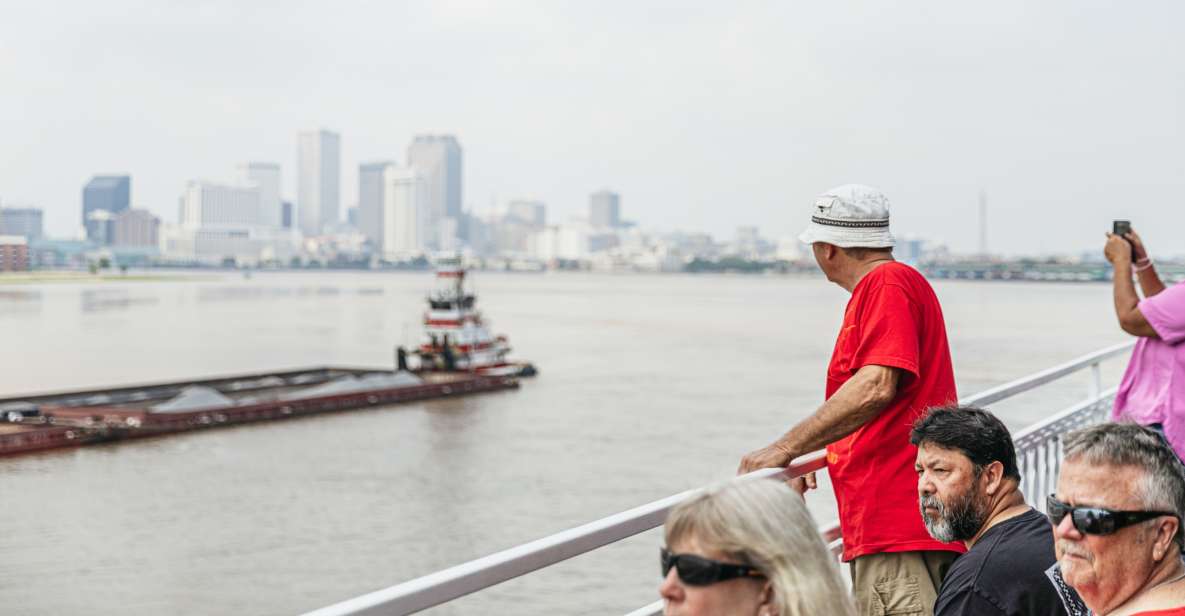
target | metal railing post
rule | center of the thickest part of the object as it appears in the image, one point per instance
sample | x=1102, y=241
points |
x=1096, y=380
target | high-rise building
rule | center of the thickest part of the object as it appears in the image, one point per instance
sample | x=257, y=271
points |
x=527, y=212
x=267, y=177
x=286, y=215
x=604, y=209
x=22, y=221
x=318, y=181
x=370, y=200
x=109, y=193
x=135, y=227
x=225, y=221
x=210, y=205
x=438, y=158
x=405, y=213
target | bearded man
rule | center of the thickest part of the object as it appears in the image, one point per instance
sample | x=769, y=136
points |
x=968, y=489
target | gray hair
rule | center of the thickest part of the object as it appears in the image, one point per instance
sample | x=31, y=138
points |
x=1127, y=444
x=765, y=524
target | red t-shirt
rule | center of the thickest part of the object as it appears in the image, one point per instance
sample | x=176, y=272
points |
x=893, y=319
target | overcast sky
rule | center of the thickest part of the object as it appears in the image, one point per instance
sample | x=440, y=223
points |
x=704, y=116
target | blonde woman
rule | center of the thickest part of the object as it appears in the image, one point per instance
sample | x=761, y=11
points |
x=748, y=548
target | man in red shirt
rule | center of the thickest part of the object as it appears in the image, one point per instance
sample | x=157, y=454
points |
x=891, y=362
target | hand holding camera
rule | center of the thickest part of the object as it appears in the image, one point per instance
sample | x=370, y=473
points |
x=1132, y=245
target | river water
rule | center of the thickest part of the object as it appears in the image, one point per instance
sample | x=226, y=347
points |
x=648, y=385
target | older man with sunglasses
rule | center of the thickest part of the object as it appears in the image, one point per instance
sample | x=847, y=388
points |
x=1117, y=521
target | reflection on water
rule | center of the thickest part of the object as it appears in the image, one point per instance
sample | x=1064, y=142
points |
x=11, y=295
x=219, y=294
x=98, y=300
x=15, y=302
x=649, y=385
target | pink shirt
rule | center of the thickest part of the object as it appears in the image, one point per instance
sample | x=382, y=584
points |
x=1153, y=388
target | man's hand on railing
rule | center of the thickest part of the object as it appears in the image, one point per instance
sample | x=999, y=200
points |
x=771, y=456
x=802, y=483
x=777, y=456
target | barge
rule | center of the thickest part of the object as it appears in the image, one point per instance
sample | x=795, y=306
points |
x=74, y=418
x=459, y=356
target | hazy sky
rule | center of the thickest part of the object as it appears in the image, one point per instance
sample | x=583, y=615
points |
x=704, y=116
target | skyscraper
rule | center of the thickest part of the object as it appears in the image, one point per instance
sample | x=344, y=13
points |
x=267, y=177
x=604, y=209
x=318, y=182
x=286, y=215
x=405, y=213
x=438, y=158
x=109, y=193
x=370, y=201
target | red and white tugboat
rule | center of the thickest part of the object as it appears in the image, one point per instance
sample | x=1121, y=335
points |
x=456, y=338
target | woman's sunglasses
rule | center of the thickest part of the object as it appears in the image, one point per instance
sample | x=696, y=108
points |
x=1096, y=520
x=699, y=571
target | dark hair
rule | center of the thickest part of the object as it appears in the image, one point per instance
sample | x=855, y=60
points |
x=974, y=432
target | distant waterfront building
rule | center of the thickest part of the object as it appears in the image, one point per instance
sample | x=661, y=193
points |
x=14, y=253
x=44, y=253
x=528, y=212
x=789, y=248
x=210, y=204
x=224, y=221
x=604, y=209
x=438, y=158
x=108, y=193
x=99, y=227
x=318, y=182
x=267, y=177
x=405, y=217
x=286, y=215
x=510, y=234
x=749, y=243
x=135, y=227
x=25, y=222
x=511, y=237
x=370, y=200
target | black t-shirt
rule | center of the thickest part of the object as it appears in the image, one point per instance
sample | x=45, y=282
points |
x=1011, y=570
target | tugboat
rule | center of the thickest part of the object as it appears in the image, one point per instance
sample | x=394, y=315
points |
x=456, y=338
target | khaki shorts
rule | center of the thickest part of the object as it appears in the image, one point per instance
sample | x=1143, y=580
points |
x=899, y=583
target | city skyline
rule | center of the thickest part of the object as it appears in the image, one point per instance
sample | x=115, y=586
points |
x=1067, y=115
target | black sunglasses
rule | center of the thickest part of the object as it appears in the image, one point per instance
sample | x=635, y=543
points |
x=699, y=571
x=1096, y=520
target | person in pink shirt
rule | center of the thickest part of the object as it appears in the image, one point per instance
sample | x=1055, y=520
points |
x=1152, y=392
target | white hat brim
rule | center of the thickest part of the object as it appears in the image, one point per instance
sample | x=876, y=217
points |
x=847, y=238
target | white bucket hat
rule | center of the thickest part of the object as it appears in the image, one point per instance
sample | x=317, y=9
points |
x=850, y=216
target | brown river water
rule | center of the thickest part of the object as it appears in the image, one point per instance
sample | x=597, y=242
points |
x=648, y=385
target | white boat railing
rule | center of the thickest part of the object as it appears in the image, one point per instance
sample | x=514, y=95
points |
x=1038, y=450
